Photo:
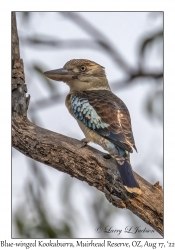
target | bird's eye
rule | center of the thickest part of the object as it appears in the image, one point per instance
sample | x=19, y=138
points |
x=83, y=68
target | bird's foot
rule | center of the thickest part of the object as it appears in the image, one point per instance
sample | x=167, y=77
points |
x=84, y=142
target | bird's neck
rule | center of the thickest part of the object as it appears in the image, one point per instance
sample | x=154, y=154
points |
x=98, y=84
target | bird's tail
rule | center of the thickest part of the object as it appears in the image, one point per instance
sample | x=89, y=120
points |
x=127, y=177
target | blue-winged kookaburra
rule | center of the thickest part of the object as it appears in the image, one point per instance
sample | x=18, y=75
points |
x=102, y=116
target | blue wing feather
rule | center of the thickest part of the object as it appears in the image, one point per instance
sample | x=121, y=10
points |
x=84, y=112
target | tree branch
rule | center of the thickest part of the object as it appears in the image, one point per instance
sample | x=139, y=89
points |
x=101, y=39
x=65, y=154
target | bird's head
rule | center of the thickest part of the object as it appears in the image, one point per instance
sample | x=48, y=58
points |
x=80, y=75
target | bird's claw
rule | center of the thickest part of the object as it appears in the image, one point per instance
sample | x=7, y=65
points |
x=84, y=142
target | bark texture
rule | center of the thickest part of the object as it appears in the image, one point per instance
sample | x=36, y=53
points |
x=65, y=154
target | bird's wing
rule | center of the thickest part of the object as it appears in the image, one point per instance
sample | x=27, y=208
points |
x=106, y=114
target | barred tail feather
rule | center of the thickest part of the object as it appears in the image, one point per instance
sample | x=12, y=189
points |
x=128, y=179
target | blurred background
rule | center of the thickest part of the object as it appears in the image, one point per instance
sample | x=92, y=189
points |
x=47, y=203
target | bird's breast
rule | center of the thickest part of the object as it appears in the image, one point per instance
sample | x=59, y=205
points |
x=68, y=104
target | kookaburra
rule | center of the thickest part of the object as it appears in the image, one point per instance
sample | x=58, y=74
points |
x=102, y=116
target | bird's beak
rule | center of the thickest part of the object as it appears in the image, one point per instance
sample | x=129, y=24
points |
x=60, y=74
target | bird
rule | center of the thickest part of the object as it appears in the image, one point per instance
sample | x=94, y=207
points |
x=102, y=116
